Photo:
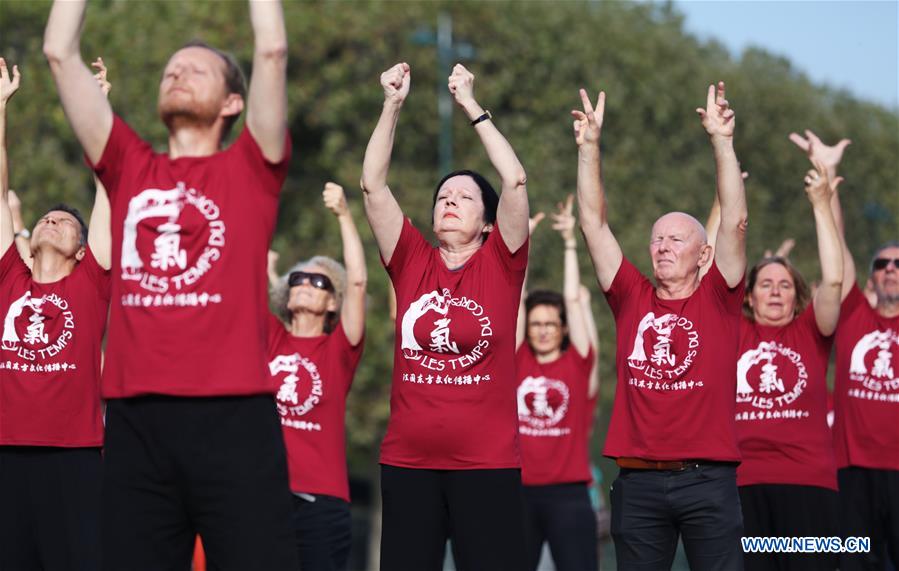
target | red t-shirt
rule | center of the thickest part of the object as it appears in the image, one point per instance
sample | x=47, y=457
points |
x=312, y=376
x=676, y=362
x=782, y=404
x=866, y=395
x=50, y=354
x=189, y=241
x=452, y=402
x=555, y=415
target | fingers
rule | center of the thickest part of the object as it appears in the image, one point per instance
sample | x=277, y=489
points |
x=585, y=100
x=813, y=138
x=744, y=175
x=835, y=183
x=841, y=146
x=710, y=97
x=538, y=218
x=600, y=105
x=800, y=141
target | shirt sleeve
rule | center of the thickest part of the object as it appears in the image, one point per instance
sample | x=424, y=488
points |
x=347, y=354
x=411, y=248
x=854, y=300
x=11, y=264
x=729, y=299
x=270, y=175
x=624, y=286
x=512, y=262
x=122, y=149
x=99, y=276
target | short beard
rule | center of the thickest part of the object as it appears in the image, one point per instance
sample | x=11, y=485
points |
x=178, y=117
x=883, y=298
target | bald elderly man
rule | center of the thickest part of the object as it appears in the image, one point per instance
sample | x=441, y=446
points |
x=672, y=430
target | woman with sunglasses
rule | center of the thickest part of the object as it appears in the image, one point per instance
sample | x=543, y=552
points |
x=558, y=384
x=788, y=478
x=450, y=463
x=314, y=349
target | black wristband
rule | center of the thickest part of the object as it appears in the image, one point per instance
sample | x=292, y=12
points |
x=483, y=117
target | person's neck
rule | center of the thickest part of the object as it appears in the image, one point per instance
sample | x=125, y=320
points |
x=680, y=288
x=888, y=308
x=549, y=356
x=765, y=322
x=455, y=256
x=194, y=140
x=51, y=266
x=306, y=324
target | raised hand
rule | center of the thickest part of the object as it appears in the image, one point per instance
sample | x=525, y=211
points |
x=818, y=185
x=717, y=117
x=335, y=199
x=461, y=84
x=100, y=76
x=534, y=221
x=563, y=218
x=8, y=85
x=588, y=123
x=396, y=82
x=828, y=155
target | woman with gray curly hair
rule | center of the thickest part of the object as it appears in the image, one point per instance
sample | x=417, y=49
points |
x=315, y=345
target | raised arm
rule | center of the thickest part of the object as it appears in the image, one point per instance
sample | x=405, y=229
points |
x=23, y=244
x=512, y=212
x=730, y=244
x=587, y=309
x=271, y=269
x=522, y=323
x=564, y=223
x=8, y=86
x=85, y=106
x=267, y=95
x=830, y=156
x=713, y=223
x=381, y=208
x=591, y=193
x=818, y=187
x=352, y=315
x=99, y=231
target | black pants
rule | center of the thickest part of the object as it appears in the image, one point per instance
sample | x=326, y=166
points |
x=651, y=508
x=869, y=507
x=175, y=467
x=781, y=510
x=323, y=533
x=49, y=508
x=479, y=510
x=562, y=515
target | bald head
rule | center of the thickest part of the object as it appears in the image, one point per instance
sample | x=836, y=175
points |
x=683, y=223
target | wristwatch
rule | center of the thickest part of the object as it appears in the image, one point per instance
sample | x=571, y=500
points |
x=23, y=233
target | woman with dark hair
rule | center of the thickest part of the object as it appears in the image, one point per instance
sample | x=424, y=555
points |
x=788, y=479
x=558, y=385
x=315, y=345
x=450, y=462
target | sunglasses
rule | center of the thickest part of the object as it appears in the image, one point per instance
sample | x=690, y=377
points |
x=883, y=263
x=318, y=281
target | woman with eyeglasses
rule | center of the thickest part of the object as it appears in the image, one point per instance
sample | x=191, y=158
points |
x=450, y=461
x=788, y=478
x=558, y=382
x=314, y=348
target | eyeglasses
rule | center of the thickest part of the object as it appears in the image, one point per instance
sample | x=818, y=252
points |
x=883, y=263
x=318, y=281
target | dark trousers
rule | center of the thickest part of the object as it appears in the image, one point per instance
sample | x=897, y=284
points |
x=49, y=508
x=175, y=467
x=480, y=511
x=323, y=533
x=869, y=507
x=562, y=515
x=782, y=510
x=651, y=508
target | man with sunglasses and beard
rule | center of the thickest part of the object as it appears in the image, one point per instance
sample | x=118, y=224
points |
x=315, y=345
x=192, y=437
x=866, y=393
